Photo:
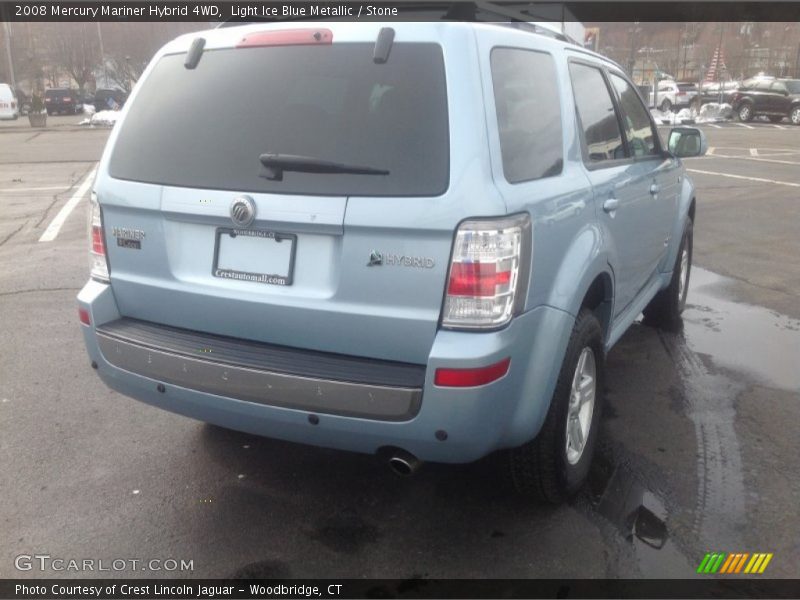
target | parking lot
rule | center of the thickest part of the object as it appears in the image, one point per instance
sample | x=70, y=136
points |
x=699, y=449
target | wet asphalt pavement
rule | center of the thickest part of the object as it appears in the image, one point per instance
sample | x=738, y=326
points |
x=699, y=446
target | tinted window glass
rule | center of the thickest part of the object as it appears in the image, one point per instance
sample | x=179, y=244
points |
x=638, y=129
x=779, y=87
x=596, y=112
x=528, y=113
x=207, y=127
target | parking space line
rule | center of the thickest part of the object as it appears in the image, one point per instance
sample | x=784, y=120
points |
x=33, y=189
x=743, y=125
x=759, y=159
x=753, y=151
x=55, y=225
x=757, y=179
x=714, y=126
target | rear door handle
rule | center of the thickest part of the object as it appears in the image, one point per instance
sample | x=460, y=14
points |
x=610, y=205
x=654, y=189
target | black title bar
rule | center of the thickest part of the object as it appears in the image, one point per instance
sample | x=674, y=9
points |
x=222, y=589
x=584, y=11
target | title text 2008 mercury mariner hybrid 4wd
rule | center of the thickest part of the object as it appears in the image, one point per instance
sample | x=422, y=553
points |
x=418, y=239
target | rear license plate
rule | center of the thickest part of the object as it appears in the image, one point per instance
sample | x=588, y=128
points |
x=254, y=255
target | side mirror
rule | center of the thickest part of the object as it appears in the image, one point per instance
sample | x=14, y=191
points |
x=685, y=142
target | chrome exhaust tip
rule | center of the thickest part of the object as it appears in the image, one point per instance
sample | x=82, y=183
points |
x=404, y=463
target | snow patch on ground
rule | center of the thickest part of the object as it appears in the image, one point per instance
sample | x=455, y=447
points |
x=713, y=111
x=709, y=113
x=104, y=118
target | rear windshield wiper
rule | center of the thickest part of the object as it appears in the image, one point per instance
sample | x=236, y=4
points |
x=276, y=164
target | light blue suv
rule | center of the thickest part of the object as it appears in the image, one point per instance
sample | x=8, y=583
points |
x=417, y=239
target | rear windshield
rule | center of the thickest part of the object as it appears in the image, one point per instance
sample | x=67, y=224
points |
x=57, y=93
x=687, y=87
x=207, y=127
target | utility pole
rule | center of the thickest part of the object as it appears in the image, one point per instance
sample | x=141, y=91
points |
x=102, y=55
x=8, y=55
x=797, y=63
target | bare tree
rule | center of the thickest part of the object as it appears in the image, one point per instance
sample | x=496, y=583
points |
x=73, y=50
x=130, y=46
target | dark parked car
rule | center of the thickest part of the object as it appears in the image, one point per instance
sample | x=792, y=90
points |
x=62, y=100
x=109, y=99
x=774, y=98
x=24, y=102
x=718, y=91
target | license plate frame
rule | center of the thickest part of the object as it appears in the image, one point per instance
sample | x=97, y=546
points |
x=265, y=278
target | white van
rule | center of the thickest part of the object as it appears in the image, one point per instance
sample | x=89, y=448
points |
x=8, y=103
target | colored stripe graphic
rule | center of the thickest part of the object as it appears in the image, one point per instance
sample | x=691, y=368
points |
x=741, y=562
x=765, y=563
x=735, y=562
x=754, y=563
x=703, y=563
x=718, y=562
x=710, y=563
x=727, y=564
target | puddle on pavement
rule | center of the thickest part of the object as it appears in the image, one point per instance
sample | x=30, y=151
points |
x=638, y=514
x=760, y=342
x=744, y=338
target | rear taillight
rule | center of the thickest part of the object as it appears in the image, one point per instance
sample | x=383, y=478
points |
x=490, y=264
x=97, y=253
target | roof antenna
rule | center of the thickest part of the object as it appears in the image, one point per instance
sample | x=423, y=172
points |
x=195, y=53
x=383, y=45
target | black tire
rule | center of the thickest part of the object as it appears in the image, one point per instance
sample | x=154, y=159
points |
x=745, y=112
x=540, y=469
x=665, y=105
x=775, y=119
x=794, y=115
x=664, y=310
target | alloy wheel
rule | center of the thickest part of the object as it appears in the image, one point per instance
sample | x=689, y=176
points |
x=683, y=275
x=581, y=405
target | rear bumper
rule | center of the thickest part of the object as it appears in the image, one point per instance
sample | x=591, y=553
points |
x=270, y=375
x=361, y=405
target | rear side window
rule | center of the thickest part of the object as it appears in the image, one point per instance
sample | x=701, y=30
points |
x=207, y=127
x=528, y=113
x=638, y=129
x=779, y=87
x=596, y=112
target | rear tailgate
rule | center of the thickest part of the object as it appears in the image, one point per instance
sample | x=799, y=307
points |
x=364, y=256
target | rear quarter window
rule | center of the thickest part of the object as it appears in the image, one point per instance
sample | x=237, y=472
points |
x=207, y=127
x=528, y=113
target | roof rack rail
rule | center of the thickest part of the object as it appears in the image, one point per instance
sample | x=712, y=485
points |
x=479, y=11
